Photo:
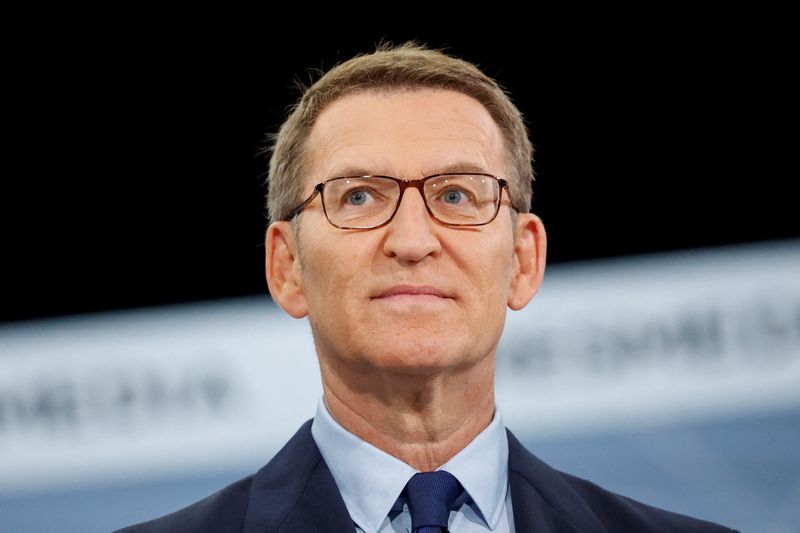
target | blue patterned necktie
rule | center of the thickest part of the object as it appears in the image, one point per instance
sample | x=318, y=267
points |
x=430, y=497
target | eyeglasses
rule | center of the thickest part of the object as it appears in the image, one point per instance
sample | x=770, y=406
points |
x=367, y=202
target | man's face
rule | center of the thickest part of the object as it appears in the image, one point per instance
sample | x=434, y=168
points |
x=414, y=296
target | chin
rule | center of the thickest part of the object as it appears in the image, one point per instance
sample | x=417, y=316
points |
x=421, y=358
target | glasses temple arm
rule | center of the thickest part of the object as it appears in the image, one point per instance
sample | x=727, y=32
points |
x=294, y=212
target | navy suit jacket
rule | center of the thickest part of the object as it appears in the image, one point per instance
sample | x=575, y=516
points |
x=295, y=492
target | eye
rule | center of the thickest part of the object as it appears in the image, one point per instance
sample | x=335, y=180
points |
x=358, y=197
x=454, y=196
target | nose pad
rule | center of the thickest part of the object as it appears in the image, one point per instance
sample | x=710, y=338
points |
x=420, y=199
x=410, y=238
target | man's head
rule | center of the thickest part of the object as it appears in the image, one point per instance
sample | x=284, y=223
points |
x=414, y=296
x=390, y=69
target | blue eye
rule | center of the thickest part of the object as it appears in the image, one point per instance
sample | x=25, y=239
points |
x=453, y=196
x=357, y=197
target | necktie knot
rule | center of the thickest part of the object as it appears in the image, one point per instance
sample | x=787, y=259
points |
x=430, y=497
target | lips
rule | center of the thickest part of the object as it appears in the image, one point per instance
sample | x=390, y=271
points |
x=412, y=290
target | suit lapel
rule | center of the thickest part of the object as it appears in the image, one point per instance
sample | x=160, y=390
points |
x=531, y=513
x=296, y=492
x=542, y=500
x=320, y=507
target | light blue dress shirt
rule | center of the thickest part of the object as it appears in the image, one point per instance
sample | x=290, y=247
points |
x=370, y=480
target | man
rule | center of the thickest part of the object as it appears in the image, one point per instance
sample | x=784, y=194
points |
x=399, y=194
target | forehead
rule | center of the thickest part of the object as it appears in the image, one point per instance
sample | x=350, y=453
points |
x=408, y=133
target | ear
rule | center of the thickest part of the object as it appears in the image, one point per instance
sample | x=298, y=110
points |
x=283, y=269
x=530, y=252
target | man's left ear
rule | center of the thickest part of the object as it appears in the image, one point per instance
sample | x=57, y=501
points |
x=530, y=252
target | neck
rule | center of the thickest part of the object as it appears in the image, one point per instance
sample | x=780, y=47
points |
x=421, y=420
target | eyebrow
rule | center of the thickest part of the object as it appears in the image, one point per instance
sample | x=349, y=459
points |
x=449, y=168
x=461, y=166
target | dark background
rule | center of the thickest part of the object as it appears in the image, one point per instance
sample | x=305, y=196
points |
x=132, y=177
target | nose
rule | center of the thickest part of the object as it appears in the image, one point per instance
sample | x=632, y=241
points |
x=410, y=235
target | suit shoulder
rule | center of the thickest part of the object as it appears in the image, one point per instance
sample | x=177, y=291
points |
x=221, y=512
x=589, y=506
x=620, y=513
x=275, y=488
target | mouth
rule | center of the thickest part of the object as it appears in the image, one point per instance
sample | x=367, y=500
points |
x=412, y=293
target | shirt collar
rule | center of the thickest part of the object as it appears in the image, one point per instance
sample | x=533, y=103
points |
x=482, y=469
x=360, y=468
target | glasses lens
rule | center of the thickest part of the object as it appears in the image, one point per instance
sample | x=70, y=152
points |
x=360, y=202
x=463, y=198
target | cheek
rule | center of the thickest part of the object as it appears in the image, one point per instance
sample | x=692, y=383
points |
x=325, y=285
x=491, y=269
x=333, y=277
